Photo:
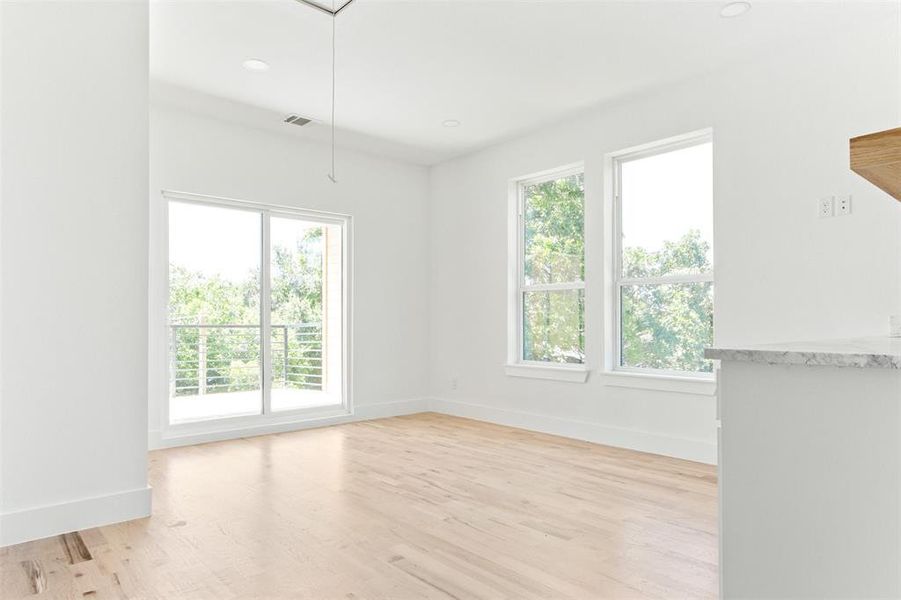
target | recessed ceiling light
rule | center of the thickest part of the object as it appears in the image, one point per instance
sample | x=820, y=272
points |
x=255, y=64
x=451, y=123
x=734, y=9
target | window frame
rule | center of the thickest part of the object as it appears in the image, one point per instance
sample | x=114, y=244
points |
x=229, y=427
x=517, y=364
x=618, y=282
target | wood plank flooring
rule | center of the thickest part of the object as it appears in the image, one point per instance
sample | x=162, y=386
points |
x=425, y=506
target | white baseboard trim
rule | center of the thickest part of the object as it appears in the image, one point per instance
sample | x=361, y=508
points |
x=55, y=519
x=633, y=439
x=391, y=409
x=157, y=441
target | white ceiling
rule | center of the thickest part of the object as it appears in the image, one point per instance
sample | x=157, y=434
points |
x=501, y=67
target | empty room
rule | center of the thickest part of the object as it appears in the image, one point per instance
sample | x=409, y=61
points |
x=450, y=299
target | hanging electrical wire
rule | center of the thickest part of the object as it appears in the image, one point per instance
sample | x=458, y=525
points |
x=321, y=7
x=332, y=176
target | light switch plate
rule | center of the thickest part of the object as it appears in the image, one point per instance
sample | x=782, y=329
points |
x=843, y=205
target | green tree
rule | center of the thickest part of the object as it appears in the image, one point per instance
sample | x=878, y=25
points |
x=297, y=280
x=554, y=252
x=664, y=326
x=297, y=311
x=668, y=326
x=233, y=353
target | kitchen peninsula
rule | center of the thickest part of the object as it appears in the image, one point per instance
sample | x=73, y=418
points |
x=810, y=468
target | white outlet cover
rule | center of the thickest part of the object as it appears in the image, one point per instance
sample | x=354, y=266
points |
x=826, y=207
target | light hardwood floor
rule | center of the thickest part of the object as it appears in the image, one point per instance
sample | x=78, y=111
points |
x=425, y=506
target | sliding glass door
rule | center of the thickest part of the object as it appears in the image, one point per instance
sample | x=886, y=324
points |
x=214, y=312
x=305, y=313
x=256, y=312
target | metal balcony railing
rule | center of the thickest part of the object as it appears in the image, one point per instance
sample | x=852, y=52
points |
x=212, y=359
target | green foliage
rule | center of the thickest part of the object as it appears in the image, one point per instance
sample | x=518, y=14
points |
x=553, y=240
x=194, y=297
x=554, y=328
x=233, y=353
x=668, y=326
x=297, y=281
x=690, y=254
x=664, y=326
x=553, y=233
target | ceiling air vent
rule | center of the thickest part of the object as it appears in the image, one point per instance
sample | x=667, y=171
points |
x=296, y=120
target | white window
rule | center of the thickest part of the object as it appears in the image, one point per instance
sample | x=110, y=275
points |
x=549, y=291
x=256, y=312
x=663, y=258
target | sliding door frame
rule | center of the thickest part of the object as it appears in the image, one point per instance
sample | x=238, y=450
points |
x=174, y=434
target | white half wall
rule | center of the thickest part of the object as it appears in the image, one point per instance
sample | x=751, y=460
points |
x=387, y=200
x=73, y=245
x=781, y=129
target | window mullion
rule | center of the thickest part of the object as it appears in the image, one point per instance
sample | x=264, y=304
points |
x=521, y=272
x=667, y=279
x=266, y=315
x=553, y=287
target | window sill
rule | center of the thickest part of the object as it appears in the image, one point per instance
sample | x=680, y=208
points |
x=701, y=386
x=572, y=374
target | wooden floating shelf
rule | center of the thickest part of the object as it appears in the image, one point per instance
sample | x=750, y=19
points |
x=877, y=157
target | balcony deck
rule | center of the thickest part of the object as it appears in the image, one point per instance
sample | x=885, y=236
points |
x=186, y=409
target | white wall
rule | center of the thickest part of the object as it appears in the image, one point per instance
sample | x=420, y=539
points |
x=73, y=243
x=781, y=130
x=387, y=200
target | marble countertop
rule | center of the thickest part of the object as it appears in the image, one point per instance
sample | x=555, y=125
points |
x=862, y=353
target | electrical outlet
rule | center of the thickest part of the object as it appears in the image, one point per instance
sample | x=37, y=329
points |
x=843, y=206
x=826, y=207
x=454, y=383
